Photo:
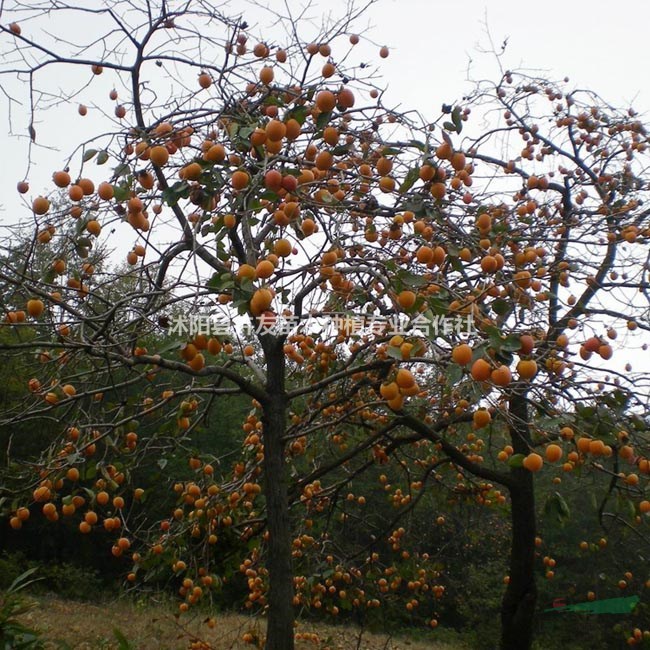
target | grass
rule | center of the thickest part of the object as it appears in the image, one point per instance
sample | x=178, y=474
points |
x=153, y=626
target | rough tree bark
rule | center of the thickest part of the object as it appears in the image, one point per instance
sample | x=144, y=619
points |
x=280, y=630
x=520, y=598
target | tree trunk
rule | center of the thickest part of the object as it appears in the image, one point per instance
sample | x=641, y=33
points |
x=520, y=598
x=280, y=614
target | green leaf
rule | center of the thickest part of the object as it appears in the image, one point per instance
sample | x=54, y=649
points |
x=122, y=170
x=22, y=581
x=501, y=306
x=516, y=460
x=556, y=508
x=121, y=192
x=171, y=195
x=511, y=343
x=323, y=120
x=394, y=352
x=412, y=280
x=409, y=180
x=456, y=119
x=453, y=374
x=419, y=145
x=125, y=644
x=438, y=306
x=245, y=132
x=272, y=100
x=496, y=340
x=449, y=126
x=102, y=157
x=49, y=275
x=504, y=357
x=585, y=412
x=340, y=150
x=299, y=114
x=89, y=154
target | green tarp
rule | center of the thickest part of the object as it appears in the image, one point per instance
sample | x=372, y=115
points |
x=608, y=606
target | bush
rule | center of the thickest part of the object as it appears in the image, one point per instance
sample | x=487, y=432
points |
x=14, y=634
x=65, y=580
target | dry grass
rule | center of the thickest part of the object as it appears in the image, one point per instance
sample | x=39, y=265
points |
x=85, y=626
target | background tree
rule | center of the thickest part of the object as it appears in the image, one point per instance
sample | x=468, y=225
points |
x=262, y=181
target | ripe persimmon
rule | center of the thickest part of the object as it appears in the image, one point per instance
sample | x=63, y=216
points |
x=40, y=205
x=197, y=362
x=404, y=378
x=216, y=153
x=481, y=418
x=481, y=370
x=326, y=101
x=444, y=151
x=240, y=180
x=387, y=184
x=438, y=190
x=276, y=130
x=424, y=255
x=345, y=98
x=527, y=344
x=527, y=368
x=246, y=271
x=293, y=129
x=396, y=403
x=283, y=248
x=501, y=376
x=87, y=186
x=406, y=299
x=61, y=179
x=159, y=155
x=384, y=166
x=389, y=391
x=260, y=301
x=324, y=160
x=308, y=227
x=105, y=191
x=266, y=75
x=328, y=70
x=462, y=354
x=35, y=307
x=264, y=269
x=273, y=180
x=533, y=462
x=94, y=227
x=553, y=453
x=489, y=264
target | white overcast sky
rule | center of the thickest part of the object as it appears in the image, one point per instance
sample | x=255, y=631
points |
x=597, y=44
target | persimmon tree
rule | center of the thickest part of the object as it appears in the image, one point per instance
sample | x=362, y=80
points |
x=436, y=299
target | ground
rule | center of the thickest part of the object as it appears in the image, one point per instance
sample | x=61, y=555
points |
x=150, y=626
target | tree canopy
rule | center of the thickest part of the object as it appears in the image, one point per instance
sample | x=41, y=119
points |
x=443, y=300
